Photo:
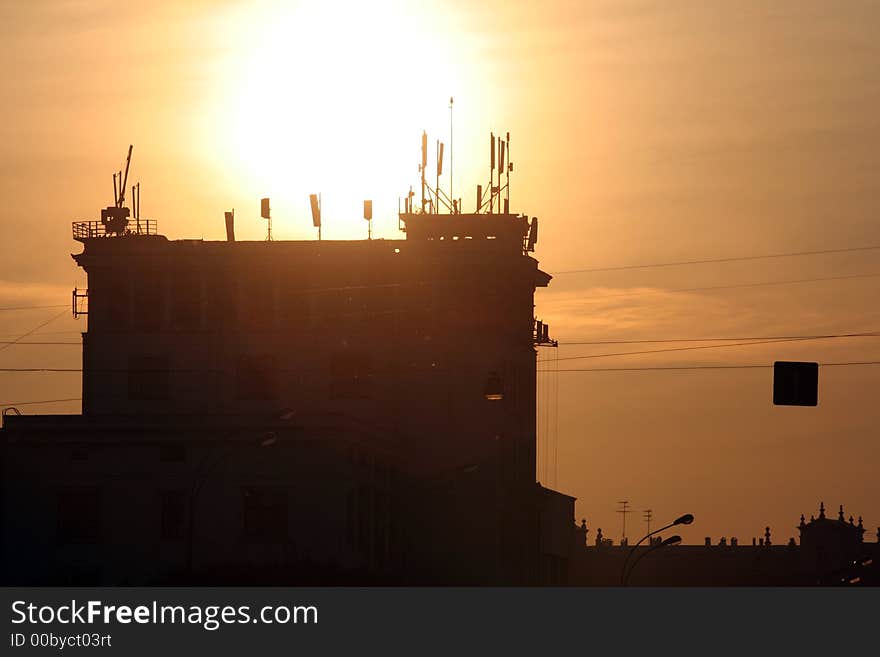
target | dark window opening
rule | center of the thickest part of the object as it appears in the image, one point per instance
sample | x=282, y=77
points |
x=173, y=512
x=149, y=303
x=221, y=296
x=79, y=517
x=351, y=376
x=117, y=304
x=149, y=378
x=186, y=300
x=79, y=454
x=265, y=513
x=255, y=378
x=295, y=310
x=258, y=303
x=172, y=453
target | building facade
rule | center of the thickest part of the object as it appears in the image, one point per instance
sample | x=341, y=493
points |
x=305, y=411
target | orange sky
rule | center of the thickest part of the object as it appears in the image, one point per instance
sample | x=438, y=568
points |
x=641, y=131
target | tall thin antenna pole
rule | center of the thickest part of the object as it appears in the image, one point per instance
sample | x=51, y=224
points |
x=423, y=166
x=507, y=174
x=134, y=206
x=623, y=510
x=450, y=147
x=647, y=515
x=437, y=188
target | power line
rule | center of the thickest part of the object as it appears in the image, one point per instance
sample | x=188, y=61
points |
x=574, y=343
x=74, y=332
x=734, y=286
x=33, y=330
x=13, y=342
x=566, y=343
x=701, y=367
x=57, y=305
x=44, y=401
x=717, y=260
x=709, y=346
x=51, y=370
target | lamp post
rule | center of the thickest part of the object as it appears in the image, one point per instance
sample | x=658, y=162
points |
x=206, y=467
x=686, y=519
x=672, y=540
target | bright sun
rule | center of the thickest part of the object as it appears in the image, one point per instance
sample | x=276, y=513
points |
x=333, y=98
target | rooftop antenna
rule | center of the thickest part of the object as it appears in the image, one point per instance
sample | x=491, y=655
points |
x=450, y=148
x=315, y=202
x=424, y=165
x=114, y=218
x=265, y=213
x=507, y=167
x=230, y=225
x=368, y=215
x=501, y=153
x=136, y=204
x=623, y=510
x=121, y=200
x=439, y=171
x=491, y=171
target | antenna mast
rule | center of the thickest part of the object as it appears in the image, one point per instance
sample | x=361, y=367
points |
x=424, y=165
x=121, y=200
x=450, y=148
x=623, y=510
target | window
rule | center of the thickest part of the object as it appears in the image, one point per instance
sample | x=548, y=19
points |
x=258, y=302
x=221, y=300
x=148, y=378
x=79, y=514
x=149, y=302
x=173, y=507
x=172, y=453
x=351, y=376
x=79, y=454
x=186, y=300
x=265, y=513
x=117, y=303
x=294, y=309
x=255, y=378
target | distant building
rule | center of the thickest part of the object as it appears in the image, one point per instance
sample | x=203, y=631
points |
x=829, y=553
x=320, y=411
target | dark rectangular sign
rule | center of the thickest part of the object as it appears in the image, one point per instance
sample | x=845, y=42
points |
x=795, y=383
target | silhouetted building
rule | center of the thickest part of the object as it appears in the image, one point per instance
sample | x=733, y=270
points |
x=322, y=411
x=829, y=553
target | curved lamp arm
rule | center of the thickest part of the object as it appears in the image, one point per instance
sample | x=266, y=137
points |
x=686, y=519
x=672, y=540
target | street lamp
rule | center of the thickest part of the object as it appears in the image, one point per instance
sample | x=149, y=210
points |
x=686, y=519
x=672, y=540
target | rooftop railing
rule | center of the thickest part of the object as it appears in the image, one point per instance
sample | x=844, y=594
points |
x=83, y=230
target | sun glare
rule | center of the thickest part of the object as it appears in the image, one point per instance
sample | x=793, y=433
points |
x=332, y=99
